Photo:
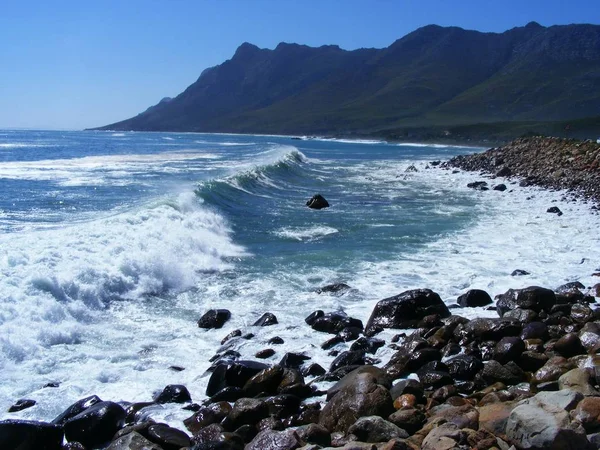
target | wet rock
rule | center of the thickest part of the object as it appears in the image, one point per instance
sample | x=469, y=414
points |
x=509, y=349
x=336, y=289
x=487, y=329
x=275, y=440
x=232, y=374
x=348, y=358
x=228, y=394
x=532, y=361
x=333, y=322
x=293, y=360
x=376, y=429
x=367, y=344
x=233, y=334
x=96, y=425
x=266, y=381
x=462, y=416
x=474, y=298
x=313, y=370
x=405, y=310
x=25, y=435
x=569, y=345
x=519, y=273
x=21, y=404
x=500, y=187
x=534, y=297
x=409, y=419
x=264, y=354
x=405, y=401
x=554, y=210
x=275, y=341
x=408, y=386
x=314, y=434
x=214, y=318
x=464, y=367
x=317, y=202
x=478, y=185
x=535, y=330
x=76, y=408
x=358, y=395
x=167, y=437
x=508, y=373
x=246, y=411
x=433, y=379
x=208, y=415
x=521, y=315
x=581, y=313
x=267, y=319
x=174, y=393
x=443, y=437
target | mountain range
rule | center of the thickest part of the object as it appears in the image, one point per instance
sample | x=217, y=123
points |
x=436, y=80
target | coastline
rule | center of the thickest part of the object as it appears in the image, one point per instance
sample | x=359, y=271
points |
x=423, y=406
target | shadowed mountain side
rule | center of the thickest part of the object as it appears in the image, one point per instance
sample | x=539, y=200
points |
x=433, y=77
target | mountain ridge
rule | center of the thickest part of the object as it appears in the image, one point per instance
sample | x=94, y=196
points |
x=432, y=77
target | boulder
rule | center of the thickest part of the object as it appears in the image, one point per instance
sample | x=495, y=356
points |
x=494, y=416
x=500, y=187
x=555, y=210
x=376, y=429
x=536, y=426
x=333, y=322
x=508, y=349
x=133, y=441
x=358, y=395
x=348, y=358
x=210, y=414
x=76, y=408
x=246, y=411
x=588, y=413
x=317, y=202
x=533, y=297
x=167, y=437
x=464, y=367
x=577, y=380
x=266, y=320
x=478, y=185
x=232, y=374
x=214, y=318
x=25, y=435
x=406, y=310
x=95, y=426
x=508, y=374
x=21, y=404
x=275, y=440
x=409, y=419
x=474, y=298
x=334, y=289
x=174, y=393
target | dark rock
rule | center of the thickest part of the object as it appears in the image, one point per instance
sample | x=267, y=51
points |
x=174, y=393
x=508, y=373
x=29, y=435
x=333, y=322
x=350, y=333
x=314, y=434
x=314, y=370
x=433, y=379
x=329, y=343
x=317, y=202
x=266, y=320
x=509, y=349
x=350, y=378
x=266, y=353
x=21, y=404
x=568, y=287
x=410, y=419
x=532, y=361
x=132, y=410
x=206, y=416
x=554, y=210
x=275, y=440
x=228, y=394
x=358, y=396
x=96, y=425
x=76, y=408
x=464, y=367
x=283, y=405
x=131, y=441
x=177, y=368
x=246, y=411
x=336, y=288
x=214, y=318
x=233, y=334
x=293, y=360
x=367, y=344
x=581, y=313
x=167, y=437
x=535, y=330
x=504, y=172
x=519, y=273
x=485, y=329
x=52, y=384
x=473, y=298
x=533, y=297
x=478, y=185
x=275, y=341
x=500, y=187
x=232, y=374
x=405, y=310
x=569, y=345
x=265, y=381
x=523, y=316
x=407, y=386
x=348, y=358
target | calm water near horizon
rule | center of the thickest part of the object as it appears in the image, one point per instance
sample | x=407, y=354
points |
x=112, y=245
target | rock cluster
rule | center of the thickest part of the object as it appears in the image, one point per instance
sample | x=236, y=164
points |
x=528, y=378
x=554, y=163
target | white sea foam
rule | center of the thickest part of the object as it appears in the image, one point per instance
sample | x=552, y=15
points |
x=307, y=233
x=23, y=145
x=118, y=134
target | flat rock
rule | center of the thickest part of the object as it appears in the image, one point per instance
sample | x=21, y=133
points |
x=376, y=429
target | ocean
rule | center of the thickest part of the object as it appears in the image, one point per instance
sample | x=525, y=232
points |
x=112, y=245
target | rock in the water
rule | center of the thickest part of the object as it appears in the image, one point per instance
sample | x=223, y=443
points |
x=317, y=202
x=336, y=288
x=232, y=374
x=21, y=404
x=473, y=298
x=333, y=322
x=29, y=435
x=478, y=185
x=376, y=429
x=555, y=210
x=174, y=393
x=519, y=273
x=359, y=396
x=265, y=353
x=500, y=187
x=76, y=408
x=534, y=297
x=95, y=426
x=214, y=318
x=265, y=320
x=211, y=414
x=406, y=310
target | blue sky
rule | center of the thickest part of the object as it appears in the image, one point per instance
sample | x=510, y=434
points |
x=77, y=64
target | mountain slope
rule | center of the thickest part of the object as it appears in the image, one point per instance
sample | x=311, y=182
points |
x=434, y=76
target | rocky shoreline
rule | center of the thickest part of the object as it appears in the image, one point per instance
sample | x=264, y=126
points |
x=552, y=163
x=529, y=378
